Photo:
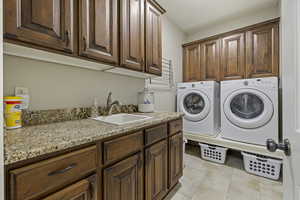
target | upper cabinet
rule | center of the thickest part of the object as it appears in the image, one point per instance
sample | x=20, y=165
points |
x=233, y=57
x=153, y=38
x=47, y=23
x=98, y=30
x=249, y=52
x=132, y=34
x=210, y=60
x=262, y=51
x=124, y=33
x=191, y=60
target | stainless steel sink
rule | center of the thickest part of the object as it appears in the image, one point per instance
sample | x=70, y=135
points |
x=121, y=119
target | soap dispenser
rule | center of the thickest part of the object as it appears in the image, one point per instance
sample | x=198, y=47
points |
x=146, y=101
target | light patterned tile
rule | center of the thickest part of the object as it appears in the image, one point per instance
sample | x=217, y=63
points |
x=177, y=196
x=218, y=180
x=245, y=185
x=271, y=190
x=210, y=181
x=209, y=192
x=191, y=179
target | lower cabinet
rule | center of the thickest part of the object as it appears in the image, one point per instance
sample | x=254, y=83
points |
x=82, y=190
x=175, y=159
x=156, y=172
x=143, y=165
x=124, y=180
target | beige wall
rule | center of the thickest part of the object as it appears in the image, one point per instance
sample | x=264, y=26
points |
x=253, y=18
x=172, y=39
x=58, y=86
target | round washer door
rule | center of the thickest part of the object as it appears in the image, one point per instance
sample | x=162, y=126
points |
x=195, y=105
x=248, y=108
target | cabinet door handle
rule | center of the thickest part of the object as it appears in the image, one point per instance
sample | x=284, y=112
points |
x=67, y=38
x=84, y=44
x=61, y=171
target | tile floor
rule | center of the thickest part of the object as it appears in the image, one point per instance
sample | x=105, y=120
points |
x=203, y=180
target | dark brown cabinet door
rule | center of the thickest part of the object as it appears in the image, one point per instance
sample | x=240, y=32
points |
x=233, y=57
x=191, y=63
x=262, y=52
x=98, y=30
x=210, y=60
x=153, y=39
x=47, y=23
x=83, y=190
x=124, y=180
x=175, y=159
x=156, y=171
x=132, y=34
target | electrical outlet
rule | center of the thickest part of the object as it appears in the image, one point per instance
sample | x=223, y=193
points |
x=24, y=93
x=21, y=91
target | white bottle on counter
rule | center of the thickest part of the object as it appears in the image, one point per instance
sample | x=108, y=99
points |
x=146, y=101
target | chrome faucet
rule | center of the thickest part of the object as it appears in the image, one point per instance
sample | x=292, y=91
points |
x=110, y=104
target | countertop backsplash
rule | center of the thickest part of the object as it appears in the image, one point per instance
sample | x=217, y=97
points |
x=38, y=117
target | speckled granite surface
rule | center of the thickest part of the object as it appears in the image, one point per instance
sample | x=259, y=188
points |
x=38, y=117
x=33, y=141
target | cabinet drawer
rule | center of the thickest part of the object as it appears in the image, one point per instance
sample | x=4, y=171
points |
x=175, y=126
x=121, y=147
x=35, y=180
x=156, y=133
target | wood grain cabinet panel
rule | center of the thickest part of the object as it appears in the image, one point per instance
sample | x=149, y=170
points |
x=98, y=30
x=262, y=52
x=121, y=147
x=175, y=159
x=156, y=171
x=33, y=181
x=153, y=39
x=175, y=126
x=132, y=34
x=233, y=57
x=47, y=23
x=250, y=52
x=144, y=165
x=82, y=190
x=191, y=65
x=156, y=133
x=124, y=180
x=210, y=60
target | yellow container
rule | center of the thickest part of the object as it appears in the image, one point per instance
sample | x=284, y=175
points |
x=13, y=112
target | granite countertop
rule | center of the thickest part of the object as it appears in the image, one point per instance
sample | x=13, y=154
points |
x=29, y=142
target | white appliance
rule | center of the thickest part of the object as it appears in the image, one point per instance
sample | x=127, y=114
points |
x=200, y=102
x=249, y=110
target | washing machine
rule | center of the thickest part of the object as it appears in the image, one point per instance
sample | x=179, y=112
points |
x=200, y=103
x=249, y=110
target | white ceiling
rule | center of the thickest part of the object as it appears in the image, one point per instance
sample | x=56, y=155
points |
x=191, y=15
